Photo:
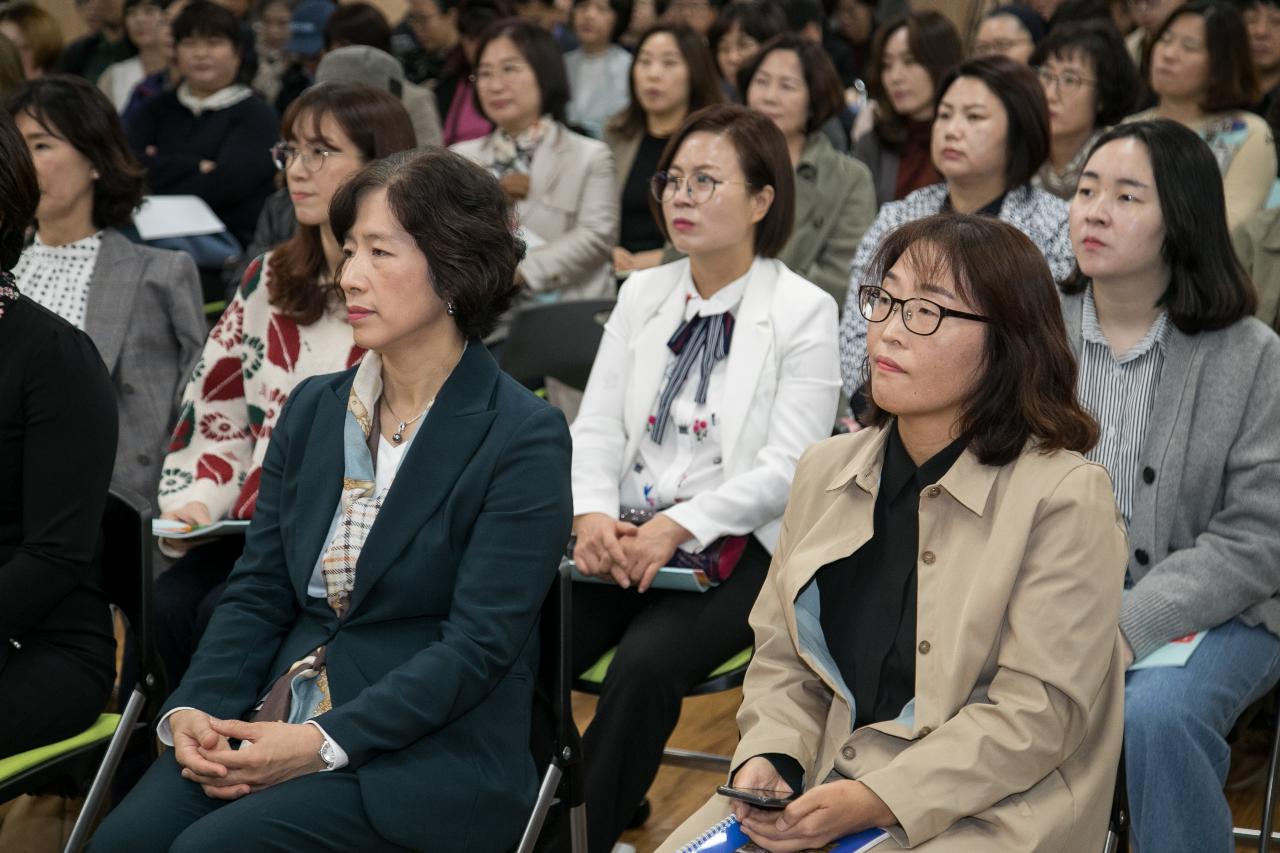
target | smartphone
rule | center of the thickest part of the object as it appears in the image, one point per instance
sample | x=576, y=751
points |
x=761, y=798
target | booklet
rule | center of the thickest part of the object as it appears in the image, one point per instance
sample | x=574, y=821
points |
x=1173, y=653
x=727, y=836
x=169, y=528
x=668, y=577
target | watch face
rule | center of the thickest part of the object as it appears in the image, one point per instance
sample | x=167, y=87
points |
x=327, y=754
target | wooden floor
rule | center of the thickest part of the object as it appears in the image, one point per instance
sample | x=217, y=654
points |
x=707, y=724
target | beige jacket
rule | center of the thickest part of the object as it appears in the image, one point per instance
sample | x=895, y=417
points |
x=1012, y=739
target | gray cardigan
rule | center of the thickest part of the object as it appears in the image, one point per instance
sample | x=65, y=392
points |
x=1205, y=535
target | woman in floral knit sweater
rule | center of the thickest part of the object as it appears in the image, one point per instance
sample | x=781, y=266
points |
x=286, y=323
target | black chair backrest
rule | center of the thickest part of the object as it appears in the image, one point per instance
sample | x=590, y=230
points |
x=126, y=562
x=558, y=340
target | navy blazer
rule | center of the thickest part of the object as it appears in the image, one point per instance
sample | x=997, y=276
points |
x=432, y=670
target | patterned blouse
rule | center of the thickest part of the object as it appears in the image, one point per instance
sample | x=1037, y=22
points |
x=57, y=277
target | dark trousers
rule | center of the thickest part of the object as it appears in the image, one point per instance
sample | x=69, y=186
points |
x=50, y=694
x=183, y=600
x=667, y=643
x=319, y=811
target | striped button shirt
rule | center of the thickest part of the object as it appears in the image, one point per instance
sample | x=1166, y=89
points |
x=1120, y=392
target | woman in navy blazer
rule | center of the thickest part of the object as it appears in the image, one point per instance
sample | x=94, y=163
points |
x=402, y=607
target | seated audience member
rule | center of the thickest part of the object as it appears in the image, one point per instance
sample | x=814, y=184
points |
x=144, y=22
x=379, y=69
x=991, y=135
x=140, y=305
x=855, y=22
x=210, y=137
x=57, y=445
x=1262, y=20
x=698, y=15
x=426, y=38
x=909, y=56
x=737, y=35
x=271, y=33
x=644, y=15
x=35, y=33
x=673, y=75
x=455, y=90
x=105, y=43
x=284, y=324
x=11, y=74
x=561, y=183
x=1148, y=17
x=684, y=448
x=794, y=84
x=1011, y=31
x=1183, y=383
x=357, y=23
x=935, y=648
x=1257, y=245
x=599, y=67
x=305, y=49
x=1090, y=84
x=160, y=81
x=1202, y=77
x=809, y=19
x=552, y=16
x=413, y=621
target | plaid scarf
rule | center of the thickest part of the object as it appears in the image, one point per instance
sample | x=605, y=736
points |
x=515, y=153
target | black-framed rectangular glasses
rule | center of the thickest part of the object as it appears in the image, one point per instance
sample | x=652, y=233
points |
x=920, y=316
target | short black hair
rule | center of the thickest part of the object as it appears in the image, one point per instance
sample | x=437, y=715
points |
x=1116, y=78
x=1208, y=289
x=19, y=193
x=826, y=94
x=760, y=19
x=621, y=16
x=476, y=16
x=357, y=23
x=73, y=109
x=539, y=49
x=1018, y=89
x=203, y=19
x=460, y=219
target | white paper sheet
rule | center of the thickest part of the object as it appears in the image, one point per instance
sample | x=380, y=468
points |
x=175, y=216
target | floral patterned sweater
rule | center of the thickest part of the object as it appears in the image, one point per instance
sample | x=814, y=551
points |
x=254, y=358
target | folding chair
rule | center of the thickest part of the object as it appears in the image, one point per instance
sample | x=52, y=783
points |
x=126, y=540
x=557, y=340
x=1118, y=824
x=1263, y=836
x=564, y=769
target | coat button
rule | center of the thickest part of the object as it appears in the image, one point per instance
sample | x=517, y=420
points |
x=924, y=647
x=1148, y=475
x=144, y=459
x=932, y=492
x=925, y=731
x=927, y=558
x=1142, y=557
x=849, y=753
x=127, y=388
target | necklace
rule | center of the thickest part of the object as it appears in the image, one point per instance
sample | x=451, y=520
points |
x=398, y=435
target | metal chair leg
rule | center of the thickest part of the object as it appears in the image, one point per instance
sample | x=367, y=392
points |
x=546, y=796
x=106, y=772
x=694, y=760
x=1269, y=799
x=578, y=829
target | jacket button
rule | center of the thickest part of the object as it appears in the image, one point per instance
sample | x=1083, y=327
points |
x=144, y=459
x=925, y=731
x=932, y=492
x=127, y=388
x=927, y=558
x=1148, y=475
x=924, y=647
x=849, y=753
x=1142, y=557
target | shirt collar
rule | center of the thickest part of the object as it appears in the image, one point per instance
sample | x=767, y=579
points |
x=1091, y=331
x=727, y=298
x=900, y=470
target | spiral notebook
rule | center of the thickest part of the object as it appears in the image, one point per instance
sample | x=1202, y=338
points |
x=727, y=837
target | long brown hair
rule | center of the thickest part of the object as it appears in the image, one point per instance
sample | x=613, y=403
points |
x=378, y=124
x=704, y=80
x=1027, y=381
x=934, y=43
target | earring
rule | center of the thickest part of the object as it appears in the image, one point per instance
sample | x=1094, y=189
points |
x=449, y=306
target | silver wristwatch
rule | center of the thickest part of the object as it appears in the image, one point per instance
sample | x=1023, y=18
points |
x=328, y=755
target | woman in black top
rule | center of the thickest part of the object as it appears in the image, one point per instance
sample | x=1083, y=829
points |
x=57, y=446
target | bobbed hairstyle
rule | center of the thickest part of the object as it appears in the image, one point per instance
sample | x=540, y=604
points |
x=1019, y=90
x=357, y=23
x=377, y=123
x=44, y=36
x=460, y=219
x=1233, y=82
x=621, y=16
x=765, y=162
x=1099, y=42
x=19, y=192
x=539, y=49
x=704, y=78
x=73, y=109
x=934, y=43
x=826, y=93
x=204, y=19
x=1026, y=385
x=1208, y=289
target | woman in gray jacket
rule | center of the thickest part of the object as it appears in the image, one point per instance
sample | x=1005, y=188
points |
x=1183, y=383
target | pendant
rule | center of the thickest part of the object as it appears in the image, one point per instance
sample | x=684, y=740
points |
x=398, y=435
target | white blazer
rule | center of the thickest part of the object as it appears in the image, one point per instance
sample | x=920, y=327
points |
x=782, y=382
x=572, y=205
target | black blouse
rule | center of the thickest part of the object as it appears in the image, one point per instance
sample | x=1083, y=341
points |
x=639, y=232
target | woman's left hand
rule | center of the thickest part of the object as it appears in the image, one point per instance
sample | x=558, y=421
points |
x=270, y=753
x=651, y=548
x=818, y=817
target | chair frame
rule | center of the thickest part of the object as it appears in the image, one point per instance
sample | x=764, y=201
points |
x=1263, y=836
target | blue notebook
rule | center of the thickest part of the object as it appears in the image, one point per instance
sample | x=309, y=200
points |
x=727, y=837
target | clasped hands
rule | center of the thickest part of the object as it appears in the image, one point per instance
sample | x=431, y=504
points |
x=811, y=821
x=270, y=753
x=630, y=554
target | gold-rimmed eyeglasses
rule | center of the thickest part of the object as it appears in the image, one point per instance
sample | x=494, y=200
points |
x=698, y=187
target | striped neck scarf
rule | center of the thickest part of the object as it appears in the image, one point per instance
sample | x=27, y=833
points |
x=699, y=340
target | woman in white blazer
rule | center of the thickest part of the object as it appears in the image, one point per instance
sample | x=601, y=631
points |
x=562, y=183
x=686, y=443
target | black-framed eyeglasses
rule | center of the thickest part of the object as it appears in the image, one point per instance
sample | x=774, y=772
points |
x=699, y=187
x=313, y=157
x=920, y=316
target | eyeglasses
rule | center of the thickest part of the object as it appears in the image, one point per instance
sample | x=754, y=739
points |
x=920, y=316
x=506, y=71
x=996, y=46
x=698, y=187
x=1067, y=82
x=313, y=157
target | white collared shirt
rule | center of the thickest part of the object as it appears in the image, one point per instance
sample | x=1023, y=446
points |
x=57, y=277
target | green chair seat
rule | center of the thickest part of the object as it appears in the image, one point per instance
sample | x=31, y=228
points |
x=102, y=731
x=595, y=675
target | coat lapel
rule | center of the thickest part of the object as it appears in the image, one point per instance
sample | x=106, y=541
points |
x=112, y=291
x=550, y=161
x=752, y=344
x=649, y=353
x=319, y=483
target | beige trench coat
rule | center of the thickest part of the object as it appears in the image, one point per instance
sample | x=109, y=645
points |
x=1012, y=739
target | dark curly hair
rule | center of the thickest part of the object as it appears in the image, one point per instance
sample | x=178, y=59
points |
x=74, y=110
x=19, y=193
x=460, y=219
x=1117, y=82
